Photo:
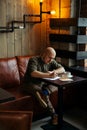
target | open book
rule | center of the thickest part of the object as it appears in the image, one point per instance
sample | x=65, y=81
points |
x=53, y=78
x=62, y=79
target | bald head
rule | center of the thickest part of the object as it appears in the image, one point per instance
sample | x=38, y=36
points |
x=50, y=50
x=48, y=55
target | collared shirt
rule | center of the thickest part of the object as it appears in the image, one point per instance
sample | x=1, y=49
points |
x=36, y=63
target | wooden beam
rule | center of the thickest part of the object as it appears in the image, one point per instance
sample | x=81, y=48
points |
x=66, y=22
x=76, y=39
x=80, y=55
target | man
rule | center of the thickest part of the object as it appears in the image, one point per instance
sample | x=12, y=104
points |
x=43, y=66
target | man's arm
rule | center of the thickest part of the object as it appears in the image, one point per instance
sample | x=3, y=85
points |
x=38, y=74
x=59, y=70
x=49, y=74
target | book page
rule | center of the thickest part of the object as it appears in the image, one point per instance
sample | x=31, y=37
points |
x=52, y=78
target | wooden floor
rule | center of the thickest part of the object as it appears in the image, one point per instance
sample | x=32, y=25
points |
x=75, y=116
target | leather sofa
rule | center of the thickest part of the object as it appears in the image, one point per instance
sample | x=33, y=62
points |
x=15, y=120
x=12, y=71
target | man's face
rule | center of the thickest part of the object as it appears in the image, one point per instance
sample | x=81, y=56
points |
x=48, y=58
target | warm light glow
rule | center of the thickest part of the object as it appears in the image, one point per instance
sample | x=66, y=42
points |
x=41, y=1
x=21, y=27
x=29, y=2
x=53, y=12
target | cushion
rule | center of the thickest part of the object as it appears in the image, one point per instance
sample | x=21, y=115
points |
x=22, y=64
x=9, y=74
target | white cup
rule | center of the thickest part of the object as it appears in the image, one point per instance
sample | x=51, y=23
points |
x=67, y=74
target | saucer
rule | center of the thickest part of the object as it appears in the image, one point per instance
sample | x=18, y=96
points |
x=66, y=79
x=70, y=76
x=66, y=76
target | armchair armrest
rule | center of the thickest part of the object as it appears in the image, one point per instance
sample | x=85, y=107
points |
x=15, y=120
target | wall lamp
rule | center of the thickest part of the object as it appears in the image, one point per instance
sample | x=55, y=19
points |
x=11, y=27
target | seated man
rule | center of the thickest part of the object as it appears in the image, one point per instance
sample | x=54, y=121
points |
x=43, y=66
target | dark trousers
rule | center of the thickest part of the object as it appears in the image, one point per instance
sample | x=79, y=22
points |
x=33, y=88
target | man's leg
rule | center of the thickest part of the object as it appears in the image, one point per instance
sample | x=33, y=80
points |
x=47, y=90
x=36, y=91
x=39, y=98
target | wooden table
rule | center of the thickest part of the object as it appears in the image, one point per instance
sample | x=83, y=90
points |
x=61, y=84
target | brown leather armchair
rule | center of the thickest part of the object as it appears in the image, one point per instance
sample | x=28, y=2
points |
x=15, y=120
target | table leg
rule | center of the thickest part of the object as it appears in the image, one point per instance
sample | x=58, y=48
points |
x=60, y=106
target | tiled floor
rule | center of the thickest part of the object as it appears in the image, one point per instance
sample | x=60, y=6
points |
x=74, y=116
x=77, y=117
x=36, y=125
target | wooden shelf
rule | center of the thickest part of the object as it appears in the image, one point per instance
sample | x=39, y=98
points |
x=76, y=39
x=66, y=22
x=80, y=55
x=78, y=70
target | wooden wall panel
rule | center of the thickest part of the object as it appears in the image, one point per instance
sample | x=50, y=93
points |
x=35, y=35
x=43, y=28
x=10, y=36
x=3, y=44
x=28, y=41
x=17, y=32
x=25, y=32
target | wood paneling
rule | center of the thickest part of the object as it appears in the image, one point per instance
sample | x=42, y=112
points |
x=10, y=38
x=28, y=41
x=3, y=44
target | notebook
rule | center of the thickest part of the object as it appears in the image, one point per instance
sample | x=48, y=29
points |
x=5, y=96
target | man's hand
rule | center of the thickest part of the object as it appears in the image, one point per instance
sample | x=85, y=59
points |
x=52, y=74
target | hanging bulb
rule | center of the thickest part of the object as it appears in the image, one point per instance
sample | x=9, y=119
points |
x=41, y=1
x=53, y=12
